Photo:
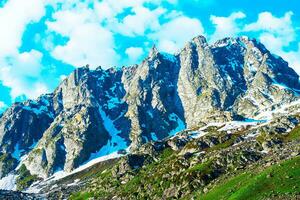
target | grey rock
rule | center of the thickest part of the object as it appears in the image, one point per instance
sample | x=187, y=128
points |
x=93, y=111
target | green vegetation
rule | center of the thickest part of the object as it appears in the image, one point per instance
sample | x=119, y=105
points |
x=25, y=179
x=293, y=135
x=8, y=162
x=96, y=170
x=205, y=167
x=261, y=137
x=278, y=180
x=171, y=175
x=223, y=145
x=151, y=175
x=81, y=196
x=4, y=157
x=166, y=153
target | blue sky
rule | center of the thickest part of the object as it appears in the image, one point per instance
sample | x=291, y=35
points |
x=42, y=41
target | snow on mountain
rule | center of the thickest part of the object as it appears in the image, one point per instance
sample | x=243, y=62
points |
x=94, y=115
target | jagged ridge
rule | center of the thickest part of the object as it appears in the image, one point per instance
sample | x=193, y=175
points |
x=96, y=112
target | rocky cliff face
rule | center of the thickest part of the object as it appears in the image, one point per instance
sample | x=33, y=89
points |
x=93, y=113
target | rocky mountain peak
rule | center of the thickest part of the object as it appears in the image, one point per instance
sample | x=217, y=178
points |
x=153, y=52
x=200, y=41
x=94, y=113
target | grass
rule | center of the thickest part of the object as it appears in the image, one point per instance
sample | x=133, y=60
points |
x=166, y=153
x=81, y=196
x=123, y=190
x=155, y=177
x=280, y=179
x=203, y=167
x=223, y=145
x=150, y=175
x=8, y=162
x=261, y=137
x=293, y=135
x=25, y=179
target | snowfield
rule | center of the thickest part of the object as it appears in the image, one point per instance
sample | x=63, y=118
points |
x=8, y=182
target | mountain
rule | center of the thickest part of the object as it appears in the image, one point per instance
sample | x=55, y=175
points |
x=96, y=113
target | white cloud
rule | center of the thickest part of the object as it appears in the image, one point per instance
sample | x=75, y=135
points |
x=65, y=21
x=276, y=31
x=134, y=54
x=109, y=9
x=14, y=17
x=267, y=22
x=3, y=106
x=22, y=73
x=19, y=69
x=143, y=19
x=273, y=43
x=89, y=42
x=176, y=32
x=226, y=26
x=91, y=32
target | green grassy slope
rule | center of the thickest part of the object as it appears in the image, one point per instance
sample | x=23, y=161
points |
x=256, y=181
x=278, y=180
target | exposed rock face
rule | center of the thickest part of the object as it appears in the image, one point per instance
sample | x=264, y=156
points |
x=21, y=126
x=154, y=106
x=202, y=86
x=196, y=160
x=232, y=77
x=96, y=112
x=85, y=123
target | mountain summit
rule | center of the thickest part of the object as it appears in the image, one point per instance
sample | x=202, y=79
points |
x=94, y=113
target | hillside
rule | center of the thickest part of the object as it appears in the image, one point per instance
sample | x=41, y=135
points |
x=194, y=124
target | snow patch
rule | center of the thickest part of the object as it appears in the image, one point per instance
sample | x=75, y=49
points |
x=33, y=145
x=145, y=138
x=37, y=186
x=62, y=174
x=268, y=115
x=17, y=152
x=251, y=135
x=112, y=102
x=8, y=182
x=150, y=113
x=153, y=136
x=116, y=143
x=250, y=65
x=253, y=100
x=180, y=124
x=217, y=124
x=238, y=125
x=74, y=183
x=113, y=87
x=197, y=134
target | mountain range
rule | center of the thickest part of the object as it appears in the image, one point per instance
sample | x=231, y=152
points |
x=117, y=112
